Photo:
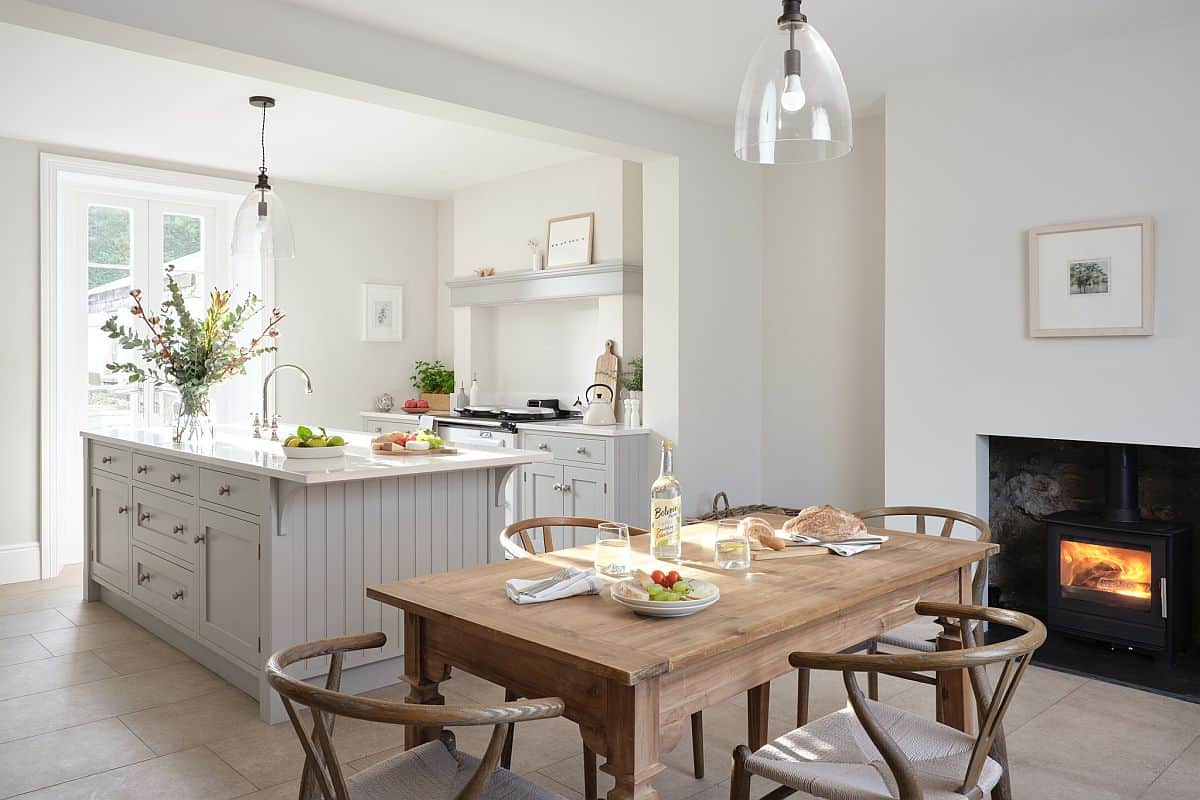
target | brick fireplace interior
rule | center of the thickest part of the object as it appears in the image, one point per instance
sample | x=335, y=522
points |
x=1096, y=539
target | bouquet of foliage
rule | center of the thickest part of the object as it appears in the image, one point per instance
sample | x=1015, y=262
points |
x=191, y=354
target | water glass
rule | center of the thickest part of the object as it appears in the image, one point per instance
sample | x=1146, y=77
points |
x=613, y=553
x=731, y=550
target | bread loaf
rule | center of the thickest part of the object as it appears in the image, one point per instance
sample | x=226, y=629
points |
x=758, y=529
x=827, y=523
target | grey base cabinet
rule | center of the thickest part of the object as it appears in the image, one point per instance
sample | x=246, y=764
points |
x=603, y=477
x=229, y=585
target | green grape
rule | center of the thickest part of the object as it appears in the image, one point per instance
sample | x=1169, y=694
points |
x=655, y=589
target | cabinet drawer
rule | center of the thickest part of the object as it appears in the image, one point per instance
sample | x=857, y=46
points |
x=235, y=491
x=385, y=425
x=112, y=459
x=577, y=449
x=167, y=588
x=165, y=474
x=165, y=523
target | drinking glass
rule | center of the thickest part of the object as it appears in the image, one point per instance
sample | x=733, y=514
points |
x=612, y=548
x=731, y=550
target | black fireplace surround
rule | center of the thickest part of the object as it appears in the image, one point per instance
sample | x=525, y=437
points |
x=1117, y=578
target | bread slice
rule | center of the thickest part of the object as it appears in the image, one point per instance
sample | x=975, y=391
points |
x=826, y=523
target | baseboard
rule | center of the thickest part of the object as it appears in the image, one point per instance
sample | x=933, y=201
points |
x=20, y=562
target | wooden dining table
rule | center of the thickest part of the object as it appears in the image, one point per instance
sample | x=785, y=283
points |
x=632, y=682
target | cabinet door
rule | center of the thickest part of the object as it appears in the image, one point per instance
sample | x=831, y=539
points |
x=542, y=496
x=111, y=502
x=229, y=584
x=586, y=495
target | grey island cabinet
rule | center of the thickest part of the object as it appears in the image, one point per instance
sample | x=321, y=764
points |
x=229, y=551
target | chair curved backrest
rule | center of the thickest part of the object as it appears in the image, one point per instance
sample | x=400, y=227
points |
x=517, y=542
x=949, y=517
x=974, y=657
x=323, y=776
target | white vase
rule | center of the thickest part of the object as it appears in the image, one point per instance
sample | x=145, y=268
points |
x=633, y=418
x=536, y=260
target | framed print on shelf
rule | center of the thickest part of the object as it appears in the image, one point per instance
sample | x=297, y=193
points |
x=383, y=312
x=1092, y=278
x=569, y=241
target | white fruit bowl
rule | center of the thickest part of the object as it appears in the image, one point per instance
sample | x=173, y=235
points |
x=314, y=452
x=667, y=609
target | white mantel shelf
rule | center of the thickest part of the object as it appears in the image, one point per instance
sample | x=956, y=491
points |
x=505, y=288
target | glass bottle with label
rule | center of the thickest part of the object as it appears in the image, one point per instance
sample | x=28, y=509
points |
x=666, y=509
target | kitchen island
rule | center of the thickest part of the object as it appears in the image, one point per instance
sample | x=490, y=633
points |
x=229, y=551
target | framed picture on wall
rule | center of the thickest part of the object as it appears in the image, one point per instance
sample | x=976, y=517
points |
x=383, y=312
x=569, y=241
x=1092, y=278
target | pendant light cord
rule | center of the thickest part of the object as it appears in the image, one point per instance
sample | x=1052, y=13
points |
x=263, y=139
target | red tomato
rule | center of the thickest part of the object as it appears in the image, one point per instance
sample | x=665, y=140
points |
x=657, y=576
x=672, y=578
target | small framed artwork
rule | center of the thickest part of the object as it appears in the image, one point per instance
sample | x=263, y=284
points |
x=383, y=312
x=569, y=241
x=1092, y=278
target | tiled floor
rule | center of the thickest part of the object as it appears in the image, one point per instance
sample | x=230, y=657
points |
x=92, y=706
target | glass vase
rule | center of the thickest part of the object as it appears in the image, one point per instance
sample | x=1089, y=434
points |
x=192, y=422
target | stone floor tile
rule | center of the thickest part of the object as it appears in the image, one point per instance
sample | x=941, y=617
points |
x=140, y=655
x=19, y=649
x=30, y=677
x=27, y=622
x=89, y=637
x=195, y=774
x=200, y=720
x=39, y=761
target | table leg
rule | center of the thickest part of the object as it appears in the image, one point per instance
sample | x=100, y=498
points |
x=632, y=731
x=422, y=681
x=955, y=698
x=758, y=702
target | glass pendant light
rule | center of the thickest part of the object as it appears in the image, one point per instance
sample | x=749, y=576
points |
x=794, y=106
x=262, y=225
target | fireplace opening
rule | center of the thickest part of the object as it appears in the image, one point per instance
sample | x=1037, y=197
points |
x=1099, y=573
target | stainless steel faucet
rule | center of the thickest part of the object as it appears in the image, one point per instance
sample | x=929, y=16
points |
x=273, y=421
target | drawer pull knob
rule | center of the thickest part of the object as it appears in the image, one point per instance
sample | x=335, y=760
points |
x=566, y=487
x=223, y=490
x=581, y=450
x=557, y=487
x=143, y=577
x=543, y=446
x=142, y=469
x=122, y=509
x=178, y=529
x=106, y=459
x=177, y=594
x=144, y=516
x=176, y=477
x=197, y=539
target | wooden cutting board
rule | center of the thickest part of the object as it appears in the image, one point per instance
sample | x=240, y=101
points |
x=608, y=367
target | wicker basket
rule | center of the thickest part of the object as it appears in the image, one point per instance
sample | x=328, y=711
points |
x=722, y=510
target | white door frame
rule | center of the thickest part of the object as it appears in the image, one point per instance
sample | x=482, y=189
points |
x=58, y=171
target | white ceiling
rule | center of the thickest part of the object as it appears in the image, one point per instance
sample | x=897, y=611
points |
x=688, y=56
x=69, y=92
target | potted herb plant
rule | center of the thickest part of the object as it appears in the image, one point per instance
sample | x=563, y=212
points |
x=191, y=354
x=435, y=383
x=631, y=382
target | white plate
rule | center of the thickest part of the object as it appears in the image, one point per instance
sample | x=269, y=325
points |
x=314, y=452
x=667, y=609
x=711, y=593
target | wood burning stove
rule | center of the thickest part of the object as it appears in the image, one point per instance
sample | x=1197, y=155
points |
x=1115, y=577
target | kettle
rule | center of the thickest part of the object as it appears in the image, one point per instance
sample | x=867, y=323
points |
x=599, y=411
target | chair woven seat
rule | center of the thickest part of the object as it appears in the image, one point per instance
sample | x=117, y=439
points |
x=432, y=772
x=833, y=758
x=919, y=635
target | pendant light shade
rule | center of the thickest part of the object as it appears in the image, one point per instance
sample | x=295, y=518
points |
x=262, y=225
x=794, y=107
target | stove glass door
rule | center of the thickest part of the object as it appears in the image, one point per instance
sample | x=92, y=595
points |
x=1120, y=577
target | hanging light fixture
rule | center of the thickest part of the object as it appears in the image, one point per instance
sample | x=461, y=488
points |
x=794, y=106
x=262, y=223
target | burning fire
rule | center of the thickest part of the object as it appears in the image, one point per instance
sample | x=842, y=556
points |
x=1107, y=569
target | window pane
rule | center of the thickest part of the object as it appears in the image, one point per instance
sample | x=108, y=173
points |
x=183, y=249
x=108, y=235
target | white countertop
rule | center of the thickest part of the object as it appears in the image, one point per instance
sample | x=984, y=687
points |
x=573, y=426
x=235, y=449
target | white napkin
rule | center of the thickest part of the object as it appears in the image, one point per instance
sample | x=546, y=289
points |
x=567, y=582
x=840, y=548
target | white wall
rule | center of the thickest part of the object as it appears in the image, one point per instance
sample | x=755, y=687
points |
x=823, y=328
x=545, y=349
x=974, y=159
x=19, y=260
x=343, y=240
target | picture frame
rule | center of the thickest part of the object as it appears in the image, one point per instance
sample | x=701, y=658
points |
x=1092, y=278
x=569, y=241
x=383, y=312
